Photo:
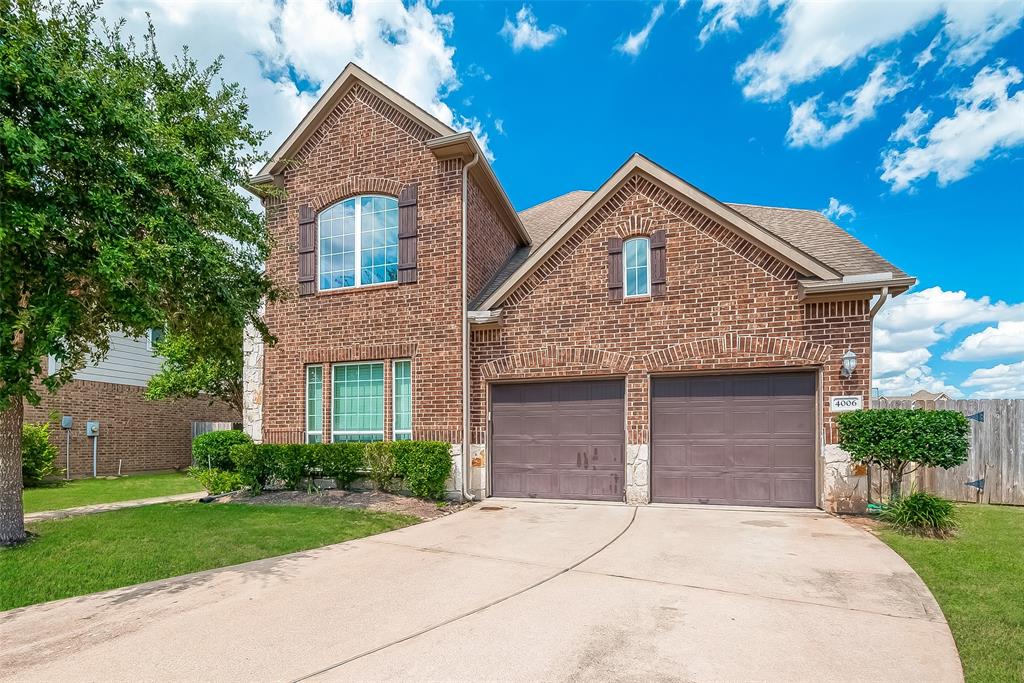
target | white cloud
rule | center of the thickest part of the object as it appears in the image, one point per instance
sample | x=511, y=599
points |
x=914, y=379
x=499, y=125
x=910, y=129
x=927, y=55
x=908, y=325
x=815, y=37
x=525, y=32
x=725, y=15
x=809, y=128
x=987, y=119
x=836, y=209
x=634, y=43
x=1005, y=339
x=1001, y=381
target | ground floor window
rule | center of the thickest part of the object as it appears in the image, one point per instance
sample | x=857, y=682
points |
x=314, y=404
x=357, y=405
x=402, y=428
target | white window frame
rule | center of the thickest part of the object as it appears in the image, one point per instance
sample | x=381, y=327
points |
x=383, y=429
x=149, y=336
x=306, y=393
x=394, y=401
x=625, y=268
x=358, y=253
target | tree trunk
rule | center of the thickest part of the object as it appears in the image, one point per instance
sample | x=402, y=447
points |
x=12, y=518
x=895, y=482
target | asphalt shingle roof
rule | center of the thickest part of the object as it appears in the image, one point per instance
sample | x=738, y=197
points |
x=809, y=231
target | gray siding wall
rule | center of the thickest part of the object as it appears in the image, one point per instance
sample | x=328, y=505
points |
x=130, y=361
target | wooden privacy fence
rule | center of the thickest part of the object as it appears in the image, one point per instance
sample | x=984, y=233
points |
x=204, y=427
x=996, y=454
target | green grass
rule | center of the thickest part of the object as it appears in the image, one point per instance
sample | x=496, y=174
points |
x=978, y=579
x=91, y=491
x=107, y=550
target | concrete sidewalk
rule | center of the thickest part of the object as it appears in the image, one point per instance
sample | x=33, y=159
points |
x=527, y=591
x=108, y=507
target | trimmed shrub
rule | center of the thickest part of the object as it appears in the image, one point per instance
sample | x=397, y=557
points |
x=380, y=461
x=255, y=464
x=216, y=481
x=342, y=461
x=213, y=449
x=37, y=454
x=424, y=465
x=921, y=513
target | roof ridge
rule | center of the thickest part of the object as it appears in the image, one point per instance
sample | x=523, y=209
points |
x=555, y=198
x=783, y=208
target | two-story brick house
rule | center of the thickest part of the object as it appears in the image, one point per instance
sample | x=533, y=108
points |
x=642, y=342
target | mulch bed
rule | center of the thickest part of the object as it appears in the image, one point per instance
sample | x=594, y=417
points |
x=363, y=500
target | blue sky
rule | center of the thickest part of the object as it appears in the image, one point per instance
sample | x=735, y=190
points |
x=908, y=120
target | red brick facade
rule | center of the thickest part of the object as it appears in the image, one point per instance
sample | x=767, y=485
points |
x=366, y=145
x=729, y=304
x=143, y=435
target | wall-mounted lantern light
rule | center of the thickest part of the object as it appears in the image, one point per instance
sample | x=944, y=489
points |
x=849, y=363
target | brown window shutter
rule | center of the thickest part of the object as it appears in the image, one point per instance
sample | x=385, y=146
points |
x=407, y=223
x=307, y=250
x=615, y=268
x=658, y=240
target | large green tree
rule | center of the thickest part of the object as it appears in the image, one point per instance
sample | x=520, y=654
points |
x=120, y=207
x=189, y=370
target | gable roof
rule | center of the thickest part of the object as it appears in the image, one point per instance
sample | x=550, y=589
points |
x=350, y=76
x=541, y=218
x=444, y=142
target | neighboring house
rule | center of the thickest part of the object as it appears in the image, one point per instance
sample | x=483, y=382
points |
x=642, y=342
x=920, y=395
x=135, y=434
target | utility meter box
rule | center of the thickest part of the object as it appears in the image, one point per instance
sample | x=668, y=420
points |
x=92, y=428
x=67, y=422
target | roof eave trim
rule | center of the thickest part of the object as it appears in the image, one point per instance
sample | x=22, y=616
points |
x=789, y=254
x=811, y=290
x=349, y=76
x=464, y=146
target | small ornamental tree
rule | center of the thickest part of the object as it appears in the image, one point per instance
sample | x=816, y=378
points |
x=900, y=440
x=120, y=208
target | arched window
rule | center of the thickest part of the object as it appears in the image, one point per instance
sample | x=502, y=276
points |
x=358, y=240
x=637, y=266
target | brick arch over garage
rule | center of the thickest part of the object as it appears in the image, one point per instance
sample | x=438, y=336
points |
x=352, y=186
x=557, y=361
x=736, y=350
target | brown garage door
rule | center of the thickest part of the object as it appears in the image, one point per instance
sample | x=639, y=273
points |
x=558, y=440
x=734, y=439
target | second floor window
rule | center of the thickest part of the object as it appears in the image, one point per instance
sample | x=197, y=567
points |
x=358, y=240
x=637, y=271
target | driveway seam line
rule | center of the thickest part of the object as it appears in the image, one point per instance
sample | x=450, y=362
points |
x=445, y=551
x=471, y=612
x=753, y=595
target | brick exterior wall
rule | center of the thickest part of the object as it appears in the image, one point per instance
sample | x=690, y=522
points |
x=144, y=435
x=729, y=306
x=491, y=240
x=366, y=145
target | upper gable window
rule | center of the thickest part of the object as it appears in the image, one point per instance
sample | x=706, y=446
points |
x=358, y=240
x=637, y=269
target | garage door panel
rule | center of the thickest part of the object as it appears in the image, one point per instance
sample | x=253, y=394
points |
x=738, y=439
x=569, y=439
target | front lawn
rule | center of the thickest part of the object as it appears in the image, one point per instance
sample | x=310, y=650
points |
x=978, y=579
x=98, y=552
x=92, y=491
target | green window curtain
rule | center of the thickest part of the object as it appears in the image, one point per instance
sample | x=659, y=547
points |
x=358, y=402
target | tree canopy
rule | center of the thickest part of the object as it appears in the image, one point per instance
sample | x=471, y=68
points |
x=188, y=370
x=120, y=204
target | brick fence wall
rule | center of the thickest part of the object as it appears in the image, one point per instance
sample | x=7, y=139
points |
x=143, y=435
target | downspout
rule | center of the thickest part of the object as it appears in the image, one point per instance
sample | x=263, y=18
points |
x=871, y=352
x=466, y=460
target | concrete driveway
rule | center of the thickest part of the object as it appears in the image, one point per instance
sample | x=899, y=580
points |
x=514, y=590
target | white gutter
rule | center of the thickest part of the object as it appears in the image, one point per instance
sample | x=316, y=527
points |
x=464, y=484
x=882, y=297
